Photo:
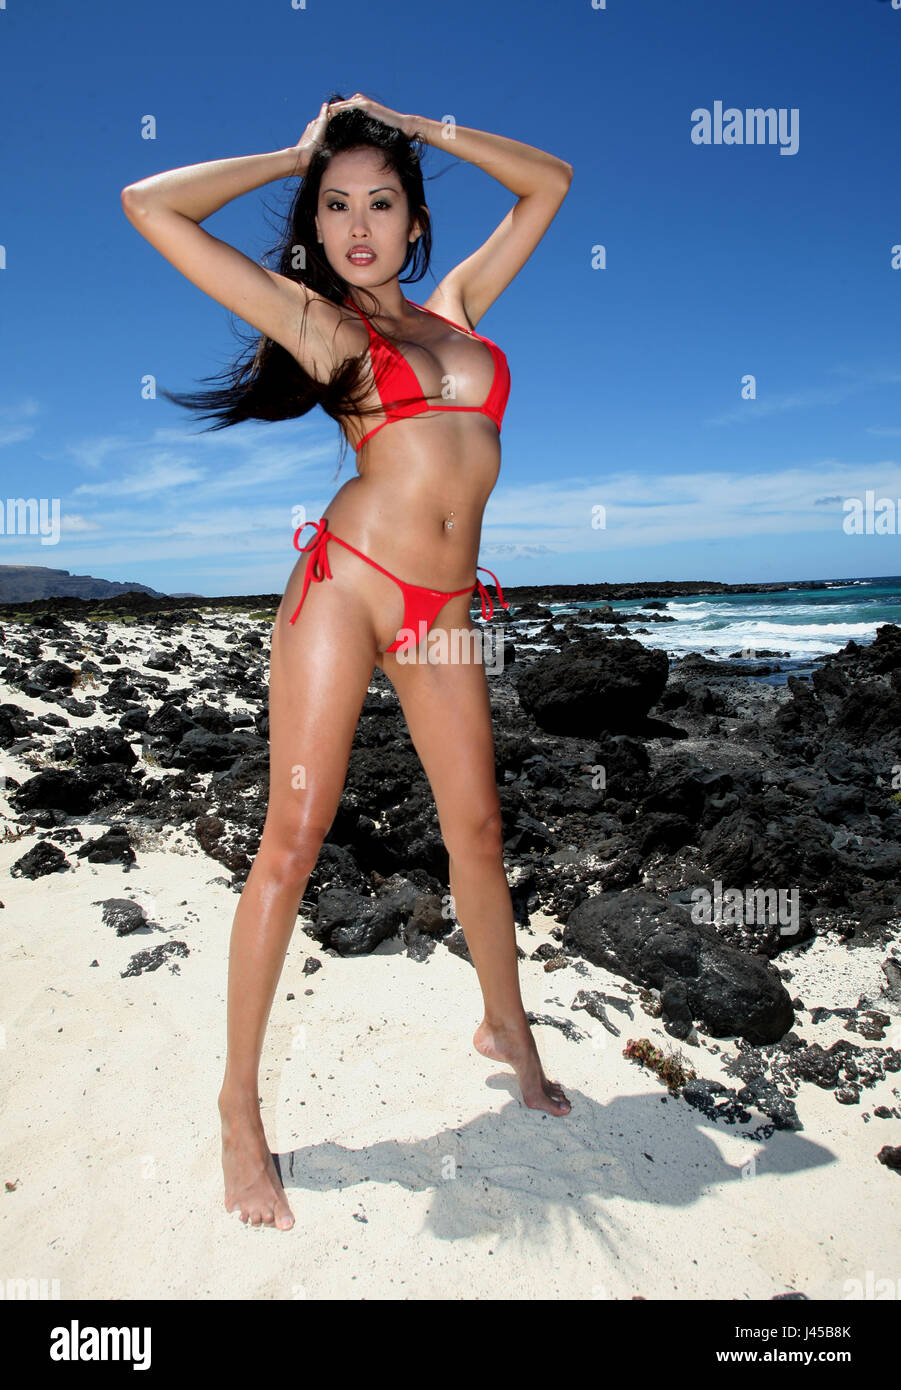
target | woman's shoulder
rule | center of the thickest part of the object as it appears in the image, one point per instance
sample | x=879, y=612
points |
x=327, y=333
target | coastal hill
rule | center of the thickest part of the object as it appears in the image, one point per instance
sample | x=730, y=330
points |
x=22, y=583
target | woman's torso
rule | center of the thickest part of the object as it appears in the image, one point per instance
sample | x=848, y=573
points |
x=416, y=473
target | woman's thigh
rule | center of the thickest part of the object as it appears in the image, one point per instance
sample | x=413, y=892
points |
x=448, y=713
x=320, y=670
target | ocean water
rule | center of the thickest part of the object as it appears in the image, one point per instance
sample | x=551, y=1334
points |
x=798, y=624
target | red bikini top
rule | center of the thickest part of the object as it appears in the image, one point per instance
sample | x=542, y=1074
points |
x=396, y=380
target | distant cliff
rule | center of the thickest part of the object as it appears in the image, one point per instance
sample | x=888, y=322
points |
x=22, y=583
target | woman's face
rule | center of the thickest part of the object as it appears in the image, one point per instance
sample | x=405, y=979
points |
x=363, y=206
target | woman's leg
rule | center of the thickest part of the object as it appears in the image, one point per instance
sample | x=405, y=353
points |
x=319, y=673
x=448, y=713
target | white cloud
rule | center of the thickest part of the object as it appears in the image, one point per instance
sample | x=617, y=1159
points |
x=93, y=453
x=774, y=402
x=667, y=507
x=74, y=522
x=162, y=474
x=14, y=426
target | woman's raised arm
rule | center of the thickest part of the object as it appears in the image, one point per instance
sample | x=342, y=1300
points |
x=198, y=190
x=166, y=209
x=540, y=181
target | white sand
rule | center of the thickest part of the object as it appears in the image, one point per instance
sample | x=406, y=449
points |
x=413, y=1169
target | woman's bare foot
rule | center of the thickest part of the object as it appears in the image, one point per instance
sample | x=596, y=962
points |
x=251, y=1181
x=515, y=1044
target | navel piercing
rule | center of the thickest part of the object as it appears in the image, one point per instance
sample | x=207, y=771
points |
x=449, y=524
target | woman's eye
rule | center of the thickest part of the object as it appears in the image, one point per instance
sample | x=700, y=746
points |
x=336, y=203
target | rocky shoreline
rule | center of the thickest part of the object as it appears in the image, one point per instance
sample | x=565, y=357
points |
x=634, y=789
x=144, y=600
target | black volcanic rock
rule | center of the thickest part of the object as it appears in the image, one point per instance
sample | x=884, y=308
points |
x=532, y=611
x=880, y=657
x=653, y=943
x=876, y=715
x=76, y=792
x=95, y=746
x=204, y=751
x=124, y=915
x=168, y=721
x=112, y=847
x=43, y=858
x=353, y=925
x=145, y=961
x=51, y=675
x=603, y=684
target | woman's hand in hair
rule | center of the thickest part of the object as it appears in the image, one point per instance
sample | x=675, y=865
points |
x=311, y=139
x=373, y=108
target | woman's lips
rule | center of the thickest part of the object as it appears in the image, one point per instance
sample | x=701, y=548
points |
x=361, y=257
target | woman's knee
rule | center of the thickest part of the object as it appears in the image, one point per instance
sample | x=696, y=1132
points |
x=476, y=836
x=290, y=853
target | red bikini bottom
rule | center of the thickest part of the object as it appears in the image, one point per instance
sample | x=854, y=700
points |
x=421, y=606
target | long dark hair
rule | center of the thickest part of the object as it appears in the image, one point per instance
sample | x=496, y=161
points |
x=269, y=384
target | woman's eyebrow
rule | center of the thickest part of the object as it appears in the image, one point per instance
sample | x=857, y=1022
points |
x=344, y=192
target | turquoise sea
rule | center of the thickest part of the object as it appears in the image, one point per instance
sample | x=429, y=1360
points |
x=801, y=624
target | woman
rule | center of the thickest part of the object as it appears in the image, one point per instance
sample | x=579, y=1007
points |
x=398, y=544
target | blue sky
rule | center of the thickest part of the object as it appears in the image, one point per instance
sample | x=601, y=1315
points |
x=722, y=261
